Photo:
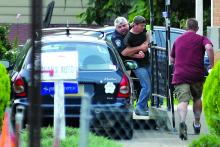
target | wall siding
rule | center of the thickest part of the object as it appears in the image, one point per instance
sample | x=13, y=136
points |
x=10, y=8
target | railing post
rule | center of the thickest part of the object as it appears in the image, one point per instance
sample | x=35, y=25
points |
x=19, y=118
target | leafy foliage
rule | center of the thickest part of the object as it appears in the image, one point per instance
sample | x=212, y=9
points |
x=4, y=43
x=209, y=140
x=103, y=11
x=7, y=51
x=211, y=99
x=4, y=91
x=141, y=7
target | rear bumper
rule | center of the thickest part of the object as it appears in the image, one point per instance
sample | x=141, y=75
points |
x=101, y=116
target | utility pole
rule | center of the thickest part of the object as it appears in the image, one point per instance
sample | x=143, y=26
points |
x=34, y=85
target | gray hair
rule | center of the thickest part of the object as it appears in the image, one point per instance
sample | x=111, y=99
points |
x=120, y=20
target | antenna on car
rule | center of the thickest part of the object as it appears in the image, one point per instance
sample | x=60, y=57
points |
x=67, y=28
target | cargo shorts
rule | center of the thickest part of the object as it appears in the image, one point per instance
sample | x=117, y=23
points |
x=184, y=92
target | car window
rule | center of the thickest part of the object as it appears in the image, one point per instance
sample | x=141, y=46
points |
x=159, y=38
x=108, y=37
x=91, y=56
x=21, y=56
x=173, y=36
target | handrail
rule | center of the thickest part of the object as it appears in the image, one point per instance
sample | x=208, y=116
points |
x=158, y=48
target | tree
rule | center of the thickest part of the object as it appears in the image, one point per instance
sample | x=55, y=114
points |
x=8, y=51
x=105, y=11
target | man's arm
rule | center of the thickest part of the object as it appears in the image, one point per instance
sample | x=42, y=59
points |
x=210, y=53
x=172, y=54
x=130, y=51
x=148, y=35
x=172, y=59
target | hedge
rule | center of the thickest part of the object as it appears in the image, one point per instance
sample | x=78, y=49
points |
x=4, y=91
x=211, y=99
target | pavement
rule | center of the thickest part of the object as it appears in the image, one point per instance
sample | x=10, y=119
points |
x=163, y=138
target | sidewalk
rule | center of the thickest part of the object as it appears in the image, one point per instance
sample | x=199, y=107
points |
x=154, y=138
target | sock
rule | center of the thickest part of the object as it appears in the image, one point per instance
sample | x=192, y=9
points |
x=197, y=125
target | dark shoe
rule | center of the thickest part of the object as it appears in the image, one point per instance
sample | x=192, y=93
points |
x=196, y=129
x=183, y=131
x=141, y=112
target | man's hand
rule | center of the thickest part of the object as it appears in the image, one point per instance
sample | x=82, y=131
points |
x=139, y=55
x=143, y=47
x=210, y=53
x=131, y=51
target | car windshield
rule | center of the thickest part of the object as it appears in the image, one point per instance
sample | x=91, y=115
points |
x=92, y=56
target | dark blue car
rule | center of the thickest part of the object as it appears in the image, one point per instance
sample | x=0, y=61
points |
x=101, y=75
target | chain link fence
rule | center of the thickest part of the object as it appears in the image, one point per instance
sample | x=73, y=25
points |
x=103, y=119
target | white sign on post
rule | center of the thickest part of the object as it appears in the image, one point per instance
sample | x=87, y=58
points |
x=59, y=66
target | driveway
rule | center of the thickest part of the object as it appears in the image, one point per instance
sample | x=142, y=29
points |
x=161, y=138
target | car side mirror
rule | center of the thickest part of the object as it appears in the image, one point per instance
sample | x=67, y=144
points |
x=130, y=64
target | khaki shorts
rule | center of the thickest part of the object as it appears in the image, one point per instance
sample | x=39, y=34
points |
x=184, y=92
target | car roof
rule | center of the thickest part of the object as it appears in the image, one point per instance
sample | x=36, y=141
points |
x=172, y=29
x=71, y=37
x=68, y=34
x=112, y=28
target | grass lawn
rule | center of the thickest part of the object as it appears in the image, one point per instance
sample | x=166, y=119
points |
x=72, y=139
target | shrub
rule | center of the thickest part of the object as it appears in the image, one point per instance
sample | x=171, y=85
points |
x=4, y=91
x=211, y=99
x=71, y=140
x=209, y=140
x=8, y=51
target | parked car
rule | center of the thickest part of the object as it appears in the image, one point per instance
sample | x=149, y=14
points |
x=159, y=36
x=100, y=68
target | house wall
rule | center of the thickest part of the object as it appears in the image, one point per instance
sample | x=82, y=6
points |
x=10, y=8
x=216, y=13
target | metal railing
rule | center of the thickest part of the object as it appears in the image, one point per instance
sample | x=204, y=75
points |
x=162, y=89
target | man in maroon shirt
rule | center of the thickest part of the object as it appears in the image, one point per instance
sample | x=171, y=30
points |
x=187, y=55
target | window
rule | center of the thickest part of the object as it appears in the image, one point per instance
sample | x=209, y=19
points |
x=91, y=56
x=21, y=56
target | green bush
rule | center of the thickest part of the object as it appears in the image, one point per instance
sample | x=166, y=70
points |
x=4, y=91
x=8, y=51
x=211, y=99
x=209, y=140
x=72, y=139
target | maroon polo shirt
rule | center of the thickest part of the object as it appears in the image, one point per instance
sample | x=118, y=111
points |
x=188, y=52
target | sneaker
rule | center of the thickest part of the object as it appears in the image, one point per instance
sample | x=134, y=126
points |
x=196, y=128
x=183, y=131
x=141, y=112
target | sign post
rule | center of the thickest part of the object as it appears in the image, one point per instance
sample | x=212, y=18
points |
x=56, y=80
